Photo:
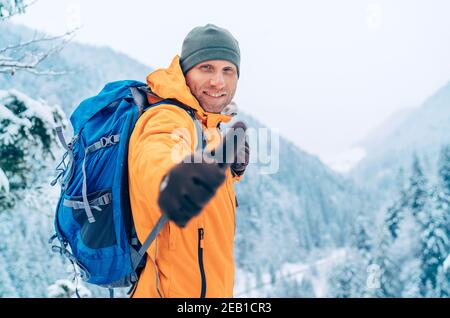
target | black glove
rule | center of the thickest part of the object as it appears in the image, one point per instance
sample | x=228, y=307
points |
x=189, y=186
x=241, y=160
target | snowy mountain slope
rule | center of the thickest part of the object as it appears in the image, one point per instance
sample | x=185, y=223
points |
x=420, y=130
x=377, y=136
x=347, y=160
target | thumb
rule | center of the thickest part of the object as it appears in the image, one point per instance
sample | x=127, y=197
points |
x=227, y=149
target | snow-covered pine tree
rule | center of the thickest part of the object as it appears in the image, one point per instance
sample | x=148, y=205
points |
x=434, y=247
x=444, y=204
x=348, y=279
x=293, y=287
x=394, y=213
x=11, y=7
x=435, y=238
x=443, y=278
x=352, y=278
x=393, y=218
x=28, y=145
x=409, y=245
x=443, y=199
x=390, y=284
x=7, y=288
x=64, y=288
x=400, y=253
x=28, y=149
x=6, y=201
x=361, y=238
x=417, y=190
x=384, y=254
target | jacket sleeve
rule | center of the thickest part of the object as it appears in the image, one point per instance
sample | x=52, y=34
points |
x=161, y=139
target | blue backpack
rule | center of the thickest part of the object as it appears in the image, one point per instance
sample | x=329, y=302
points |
x=93, y=219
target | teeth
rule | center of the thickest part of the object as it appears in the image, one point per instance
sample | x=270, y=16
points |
x=215, y=95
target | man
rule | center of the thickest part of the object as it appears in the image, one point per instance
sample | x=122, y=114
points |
x=193, y=254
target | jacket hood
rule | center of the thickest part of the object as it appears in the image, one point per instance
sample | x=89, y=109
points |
x=171, y=83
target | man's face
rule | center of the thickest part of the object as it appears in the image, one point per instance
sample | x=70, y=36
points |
x=213, y=83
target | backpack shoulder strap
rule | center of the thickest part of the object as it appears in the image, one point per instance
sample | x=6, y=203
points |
x=143, y=94
x=140, y=99
x=148, y=241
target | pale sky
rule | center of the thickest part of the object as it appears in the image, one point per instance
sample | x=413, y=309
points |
x=323, y=72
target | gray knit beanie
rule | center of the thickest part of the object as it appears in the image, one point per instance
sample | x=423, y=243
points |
x=206, y=43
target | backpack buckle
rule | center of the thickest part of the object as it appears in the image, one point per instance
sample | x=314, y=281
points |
x=107, y=141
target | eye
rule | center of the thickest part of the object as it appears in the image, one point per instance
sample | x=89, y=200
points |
x=205, y=67
x=229, y=70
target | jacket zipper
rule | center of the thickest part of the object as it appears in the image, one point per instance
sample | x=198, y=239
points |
x=201, y=233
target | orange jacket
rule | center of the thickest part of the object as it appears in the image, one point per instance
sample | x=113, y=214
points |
x=181, y=270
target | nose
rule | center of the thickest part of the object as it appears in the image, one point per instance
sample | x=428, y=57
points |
x=217, y=80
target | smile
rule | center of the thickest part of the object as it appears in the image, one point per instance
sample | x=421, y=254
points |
x=215, y=95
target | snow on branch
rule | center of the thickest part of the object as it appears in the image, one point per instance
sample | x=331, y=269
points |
x=10, y=8
x=22, y=56
x=27, y=56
